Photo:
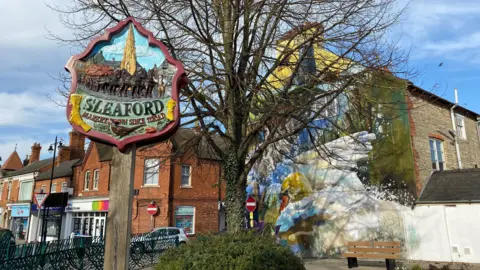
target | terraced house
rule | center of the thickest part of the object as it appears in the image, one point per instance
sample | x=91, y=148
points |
x=181, y=181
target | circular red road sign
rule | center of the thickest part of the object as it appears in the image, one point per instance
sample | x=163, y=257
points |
x=152, y=209
x=251, y=204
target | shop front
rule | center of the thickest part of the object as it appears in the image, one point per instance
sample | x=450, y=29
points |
x=87, y=217
x=20, y=214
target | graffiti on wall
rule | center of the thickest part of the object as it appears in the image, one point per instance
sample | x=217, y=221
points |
x=355, y=186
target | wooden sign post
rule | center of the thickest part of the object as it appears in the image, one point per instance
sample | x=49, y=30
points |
x=124, y=92
x=119, y=225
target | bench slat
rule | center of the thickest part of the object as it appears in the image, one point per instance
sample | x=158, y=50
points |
x=387, y=244
x=374, y=250
x=373, y=256
x=360, y=244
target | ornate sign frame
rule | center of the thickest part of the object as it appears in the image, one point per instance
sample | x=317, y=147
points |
x=120, y=100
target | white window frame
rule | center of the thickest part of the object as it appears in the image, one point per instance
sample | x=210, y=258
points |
x=9, y=194
x=64, y=185
x=460, y=126
x=86, y=180
x=53, y=188
x=182, y=175
x=151, y=167
x=437, y=163
x=23, y=184
x=96, y=175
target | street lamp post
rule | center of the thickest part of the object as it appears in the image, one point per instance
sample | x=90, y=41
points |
x=45, y=212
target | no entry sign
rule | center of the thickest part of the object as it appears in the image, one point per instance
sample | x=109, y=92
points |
x=251, y=204
x=152, y=209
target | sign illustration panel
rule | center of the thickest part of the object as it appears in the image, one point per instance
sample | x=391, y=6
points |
x=125, y=87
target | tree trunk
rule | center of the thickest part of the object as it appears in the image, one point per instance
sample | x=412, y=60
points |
x=235, y=192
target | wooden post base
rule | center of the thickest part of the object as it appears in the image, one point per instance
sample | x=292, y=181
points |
x=119, y=225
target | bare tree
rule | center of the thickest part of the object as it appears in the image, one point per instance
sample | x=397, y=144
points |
x=251, y=68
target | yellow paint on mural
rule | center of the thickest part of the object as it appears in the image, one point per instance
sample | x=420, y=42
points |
x=129, y=62
x=75, y=118
x=297, y=185
x=170, y=109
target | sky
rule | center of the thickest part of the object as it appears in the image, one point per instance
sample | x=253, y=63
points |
x=433, y=31
x=147, y=56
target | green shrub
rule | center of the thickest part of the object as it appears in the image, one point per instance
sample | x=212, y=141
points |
x=242, y=251
x=416, y=267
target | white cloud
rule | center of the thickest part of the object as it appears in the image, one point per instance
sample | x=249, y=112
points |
x=441, y=29
x=24, y=23
x=29, y=109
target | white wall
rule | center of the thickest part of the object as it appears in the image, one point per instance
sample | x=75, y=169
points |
x=463, y=223
x=432, y=230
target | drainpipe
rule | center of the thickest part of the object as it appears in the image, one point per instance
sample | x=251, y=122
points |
x=477, y=129
x=454, y=126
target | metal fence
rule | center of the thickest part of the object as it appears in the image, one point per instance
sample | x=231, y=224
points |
x=81, y=254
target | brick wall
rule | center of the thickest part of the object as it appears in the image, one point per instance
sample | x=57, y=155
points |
x=203, y=193
x=91, y=164
x=166, y=192
x=429, y=116
x=57, y=181
x=158, y=192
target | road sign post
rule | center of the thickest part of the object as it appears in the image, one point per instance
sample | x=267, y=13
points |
x=251, y=205
x=152, y=210
x=39, y=199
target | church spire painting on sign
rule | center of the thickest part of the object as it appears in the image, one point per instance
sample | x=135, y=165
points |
x=125, y=87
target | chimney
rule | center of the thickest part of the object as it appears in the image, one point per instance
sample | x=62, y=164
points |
x=26, y=161
x=35, y=156
x=63, y=155
x=77, y=145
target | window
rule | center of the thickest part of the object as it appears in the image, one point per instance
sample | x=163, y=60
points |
x=43, y=189
x=9, y=192
x=96, y=174
x=186, y=176
x=436, y=154
x=64, y=186
x=185, y=218
x=461, y=133
x=150, y=175
x=26, y=189
x=86, y=183
x=54, y=188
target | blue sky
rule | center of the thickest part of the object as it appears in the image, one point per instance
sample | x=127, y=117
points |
x=147, y=56
x=434, y=31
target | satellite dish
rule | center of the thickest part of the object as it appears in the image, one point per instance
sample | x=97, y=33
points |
x=452, y=133
x=445, y=134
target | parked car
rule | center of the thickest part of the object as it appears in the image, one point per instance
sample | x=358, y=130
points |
x=171, y=232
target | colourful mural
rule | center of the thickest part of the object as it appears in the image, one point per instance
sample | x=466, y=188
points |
x=357, y=185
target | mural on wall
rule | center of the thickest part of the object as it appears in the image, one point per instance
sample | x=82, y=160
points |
x=354, y=187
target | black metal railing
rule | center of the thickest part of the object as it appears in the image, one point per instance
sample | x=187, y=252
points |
x=81, y=253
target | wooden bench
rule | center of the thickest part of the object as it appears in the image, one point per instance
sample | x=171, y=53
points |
x=373, y=250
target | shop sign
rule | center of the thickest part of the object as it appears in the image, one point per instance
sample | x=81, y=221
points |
x=125, y=87
x=20, y=211
x=87, y=206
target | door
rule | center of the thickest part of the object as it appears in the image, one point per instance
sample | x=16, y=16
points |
x=99, y=226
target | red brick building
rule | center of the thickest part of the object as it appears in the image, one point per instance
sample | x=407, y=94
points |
x=183, y=182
